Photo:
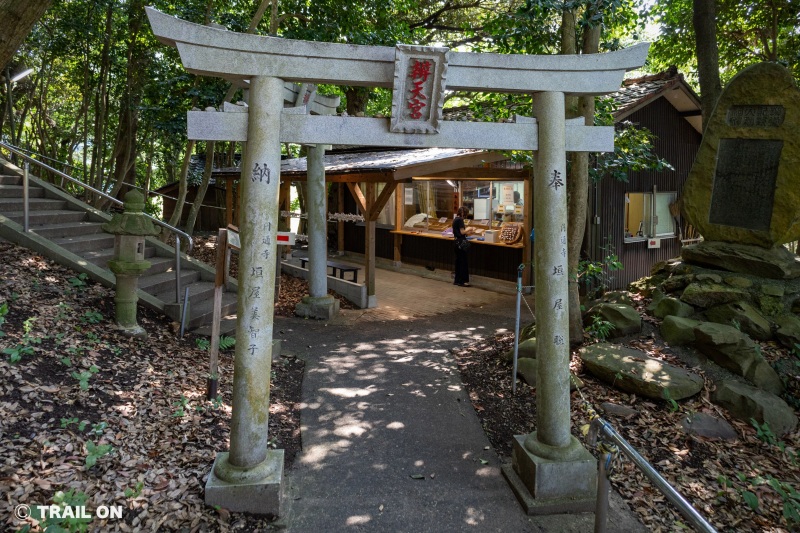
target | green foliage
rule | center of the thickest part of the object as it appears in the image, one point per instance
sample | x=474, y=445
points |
x=226, y=343
x=595, y=276
x=84, y=377
x=181, y=407
x=202, y=343
x=747, y=33
x=3, y=313
x=78, y=282
x=91, y=317
x=791, y=500
x=63, y=499
x=600, y=329
x=633, y=149
x=764, y=433
x=95, y=452
x=16, y=352
x=673, y=405
x=134, y=492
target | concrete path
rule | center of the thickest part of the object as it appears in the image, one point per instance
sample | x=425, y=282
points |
x=383, y=401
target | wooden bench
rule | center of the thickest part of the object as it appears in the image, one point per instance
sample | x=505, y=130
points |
x=335, y=267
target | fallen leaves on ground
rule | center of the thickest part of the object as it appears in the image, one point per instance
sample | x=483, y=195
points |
x=715, y=476
x=124, y=421
x=292, y=289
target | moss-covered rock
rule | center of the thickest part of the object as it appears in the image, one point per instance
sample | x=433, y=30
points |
x=742, y=316
x=705, y=295
x=634, y=371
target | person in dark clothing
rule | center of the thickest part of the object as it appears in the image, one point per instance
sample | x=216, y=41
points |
x=460, y=232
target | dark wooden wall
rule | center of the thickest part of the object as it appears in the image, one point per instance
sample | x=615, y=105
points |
x=677, y=142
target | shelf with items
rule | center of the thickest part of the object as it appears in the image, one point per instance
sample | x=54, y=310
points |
x=478, y=237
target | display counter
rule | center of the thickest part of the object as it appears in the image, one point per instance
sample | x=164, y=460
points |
x=504, y=234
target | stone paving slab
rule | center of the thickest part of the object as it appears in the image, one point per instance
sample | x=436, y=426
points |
x=382, y=400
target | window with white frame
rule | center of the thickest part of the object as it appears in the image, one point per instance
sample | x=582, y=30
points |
x=648, y=214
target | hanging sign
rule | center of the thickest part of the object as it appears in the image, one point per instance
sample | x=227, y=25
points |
x=419, y=84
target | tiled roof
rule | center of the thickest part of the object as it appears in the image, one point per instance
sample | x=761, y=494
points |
x=636, y=90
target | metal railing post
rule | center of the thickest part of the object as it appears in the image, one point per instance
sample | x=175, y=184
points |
x=516, y=329
x=25, y=199
x=603, y=428
x=177, y=269
x=603, y=486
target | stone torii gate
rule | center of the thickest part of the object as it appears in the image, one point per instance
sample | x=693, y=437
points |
x=552, y=470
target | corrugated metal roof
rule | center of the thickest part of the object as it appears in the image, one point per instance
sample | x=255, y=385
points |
x=375, y=161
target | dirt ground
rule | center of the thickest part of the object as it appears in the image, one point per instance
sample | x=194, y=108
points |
x=93, y=415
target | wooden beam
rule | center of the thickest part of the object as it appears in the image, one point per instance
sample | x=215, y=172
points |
x=475, y=173
x=361, y=202
x=382, y=200
x=440, y=165
x=378, y=176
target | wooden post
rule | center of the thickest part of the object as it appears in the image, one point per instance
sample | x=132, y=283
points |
x=340, y=223
x=219, y=287
x=399, y=215
x=369, y=245
x=228, y=201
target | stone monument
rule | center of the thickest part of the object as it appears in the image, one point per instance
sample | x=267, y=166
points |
x=743, y=192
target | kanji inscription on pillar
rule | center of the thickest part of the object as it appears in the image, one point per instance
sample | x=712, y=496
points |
x=419, y=84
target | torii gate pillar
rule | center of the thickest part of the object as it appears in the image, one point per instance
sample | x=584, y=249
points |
x=318, y=303
x=249, y=477
x=551, y=471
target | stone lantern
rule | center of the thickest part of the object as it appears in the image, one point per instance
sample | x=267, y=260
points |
x=130, y=229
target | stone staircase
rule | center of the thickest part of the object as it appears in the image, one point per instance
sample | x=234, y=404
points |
x=69, y=232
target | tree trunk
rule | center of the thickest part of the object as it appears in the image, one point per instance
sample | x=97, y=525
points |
x=704, y=20
x=201, y=191
x=175, y=219
x=100, y=107
x=125, y=151
x=577, y=171
x=578, y=197
x=357, y=98
x=17, y=18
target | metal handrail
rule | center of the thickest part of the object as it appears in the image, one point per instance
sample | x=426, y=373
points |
x=178, y=233
x=601, y=428
x=150, y=191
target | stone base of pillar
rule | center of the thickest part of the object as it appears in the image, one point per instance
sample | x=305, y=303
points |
x=136, y=331
x=325, y=307
x=548, y=486
x=259, y=496
x=397, y=264
x=372, y=301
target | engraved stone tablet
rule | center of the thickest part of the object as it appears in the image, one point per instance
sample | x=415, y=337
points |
x=419, y=83
x=746, y=169
x=744, y=186
x=760, y=116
